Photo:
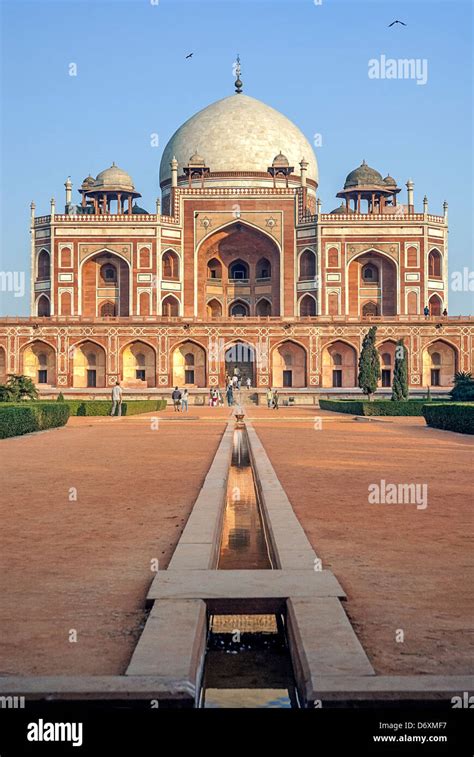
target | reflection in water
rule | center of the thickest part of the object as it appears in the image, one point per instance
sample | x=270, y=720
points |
x=247, y=662
x=243, y=543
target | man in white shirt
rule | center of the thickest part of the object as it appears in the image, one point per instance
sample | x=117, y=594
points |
x=117, y=399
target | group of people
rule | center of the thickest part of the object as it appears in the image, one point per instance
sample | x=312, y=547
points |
x=216, y=399
x=180, y=400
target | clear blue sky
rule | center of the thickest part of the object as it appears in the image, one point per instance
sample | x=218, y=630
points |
x=309, y=61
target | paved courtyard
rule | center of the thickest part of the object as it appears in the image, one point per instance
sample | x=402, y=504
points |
x=86, y=564
x=403, y=569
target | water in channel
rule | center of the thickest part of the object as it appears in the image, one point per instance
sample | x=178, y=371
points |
x=247, y=662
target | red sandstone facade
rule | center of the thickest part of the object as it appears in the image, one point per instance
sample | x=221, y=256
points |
x=243, y=272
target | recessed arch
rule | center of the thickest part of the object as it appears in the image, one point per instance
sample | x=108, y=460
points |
x=88, y=364
x=412, y=300
x=263, y=307
x=138, y=364
x=38, y=361
x=214, y=308
x=171, y=265
x=435, y=304
x=107, y=309
x=43, y=263
x=308, y=305
x=289, y=364
x=238, y=245
x=94, y=289
x=214, y=269
x=186, y=372
x=170, y=306
x=263, y=268
x=370, y=309
x=307, y=265
x=144, y=302
x=240, y=360
x=339, y=363
x=238, y=269
x=370, y=273
x=387, y=351
x=384, y=292
x=43, y=306
x=435, y=263
x=441, y=371
x=239, y=309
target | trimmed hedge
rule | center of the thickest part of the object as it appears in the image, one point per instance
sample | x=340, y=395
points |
x=455, y=416
x=17, y=419
x=375, y=407
x=104, y=407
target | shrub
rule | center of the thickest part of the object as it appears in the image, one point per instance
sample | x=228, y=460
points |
x=21, y=388
x=103, y=407
x=450, y=416
x=60, y=397
x=463, y=389
x=24, y=418
x=375, y=408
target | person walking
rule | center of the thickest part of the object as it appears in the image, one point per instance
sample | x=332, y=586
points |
x=275, y=399
x=230, y=395
x=248, y=383
x=445, y=312
x=117, y=399
x=426, y=311
x=176, y=397
x=270, y=398
x=185, y=400
x=234, y=381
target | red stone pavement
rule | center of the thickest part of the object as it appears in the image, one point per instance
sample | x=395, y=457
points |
x=86, y=564
x=402, y=568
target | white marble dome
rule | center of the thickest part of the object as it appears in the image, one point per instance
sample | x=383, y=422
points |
x=238, y=133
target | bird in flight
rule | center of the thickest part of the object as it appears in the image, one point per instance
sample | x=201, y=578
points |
x=189, y=56
x=397, y=22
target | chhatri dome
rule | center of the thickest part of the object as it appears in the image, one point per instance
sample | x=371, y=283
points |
x=114, y=178
x=238, y=133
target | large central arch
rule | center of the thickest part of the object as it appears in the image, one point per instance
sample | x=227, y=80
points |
x=239, y=261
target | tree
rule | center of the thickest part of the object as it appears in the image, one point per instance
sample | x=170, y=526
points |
x=400, y=373
x=463, y=389
x=369, y=364
x=21, y=388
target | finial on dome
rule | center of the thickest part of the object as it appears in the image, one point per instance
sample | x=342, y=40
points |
x=237, y=71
